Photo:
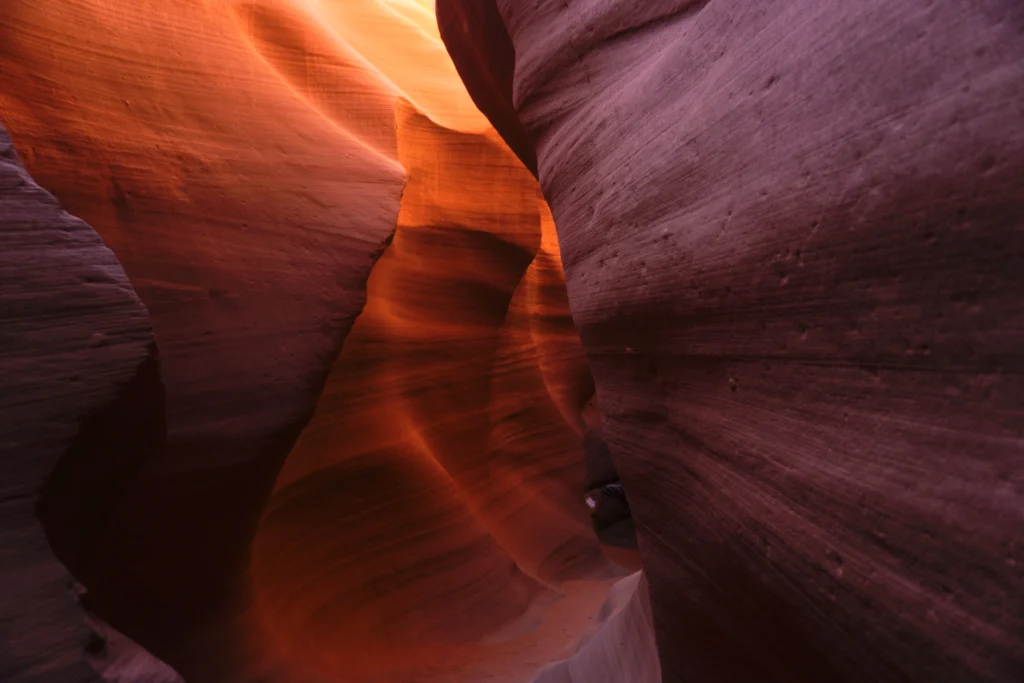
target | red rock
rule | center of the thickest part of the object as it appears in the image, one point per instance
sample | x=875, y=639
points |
x=438, y=484
x=792, y=240
x=247, y=215
x=486, y=67
x=248, y=162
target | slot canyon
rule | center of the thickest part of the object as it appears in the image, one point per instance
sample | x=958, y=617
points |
x=511, y=341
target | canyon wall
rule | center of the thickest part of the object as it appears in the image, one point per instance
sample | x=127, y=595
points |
x=246, y=220
x=408, y=504
x=792, y=237
x=76, y=356
x=619, y=647
x=437, y=488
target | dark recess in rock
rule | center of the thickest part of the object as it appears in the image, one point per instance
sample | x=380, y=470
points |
x=81, y=410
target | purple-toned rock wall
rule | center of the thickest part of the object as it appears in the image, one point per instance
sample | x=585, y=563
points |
x=793, y=236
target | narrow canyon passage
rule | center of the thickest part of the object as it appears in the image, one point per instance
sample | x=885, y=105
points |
x=792, y=239
x=511, y=341
x=437, y=492
x=385, y=486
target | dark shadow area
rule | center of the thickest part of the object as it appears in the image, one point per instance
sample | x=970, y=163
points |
x=78, y=499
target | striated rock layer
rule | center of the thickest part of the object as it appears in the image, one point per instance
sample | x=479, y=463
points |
x=792, y=235
x=439, y=478
x=248, y=162
x=620, y=647
x=247, y=221
x=76, y=356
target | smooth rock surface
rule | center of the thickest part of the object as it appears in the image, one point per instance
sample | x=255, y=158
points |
x=247, y=213
x=436, y=495
x=620, y=645
x=76, y=350
x=248, y=162
x=792, y=235
x=120, y=660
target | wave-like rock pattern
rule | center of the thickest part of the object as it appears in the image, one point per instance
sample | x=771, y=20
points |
x=77, y=357
x=439, y=480
x=620, y=647
x=792, y=241
x=246, y=221
x=248, y=162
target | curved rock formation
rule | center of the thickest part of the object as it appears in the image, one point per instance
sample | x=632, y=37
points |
x=76, y=356
x=487, y=67
x=620, y=648
x=792, y=240
x=438, y=467
x=450, y=426
x=161, y=125
x=248, y=162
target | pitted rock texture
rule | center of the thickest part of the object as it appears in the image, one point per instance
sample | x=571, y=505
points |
x=792, y=235
x=76, y=351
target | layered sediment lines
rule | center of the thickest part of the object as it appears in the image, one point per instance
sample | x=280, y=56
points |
x=246, y=220
x=792, y=240
x=76, y=355
x=620, y=645
x=437, y=487
x=248, y=163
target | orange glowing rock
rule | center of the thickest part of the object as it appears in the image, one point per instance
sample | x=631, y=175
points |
x=438, y=459
x=248, y=162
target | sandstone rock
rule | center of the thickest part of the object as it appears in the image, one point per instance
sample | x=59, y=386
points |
x=248, y=162
x=120, y=660
x=486, y=67
x=792, y=240
x=437, y=486
x=247, y=207
x=76, y=354
x=620, y=647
